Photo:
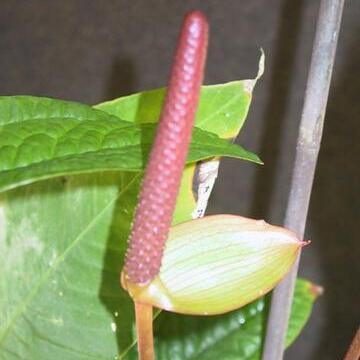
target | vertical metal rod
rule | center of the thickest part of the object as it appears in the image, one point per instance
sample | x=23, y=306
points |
x=307, y=149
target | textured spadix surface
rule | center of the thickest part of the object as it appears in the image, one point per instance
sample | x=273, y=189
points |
x=162, y=179
x=217, y=264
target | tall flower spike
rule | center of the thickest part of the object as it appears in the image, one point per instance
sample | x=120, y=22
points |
x=166, y=163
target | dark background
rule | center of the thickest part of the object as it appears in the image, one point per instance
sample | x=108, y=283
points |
x=91, y=51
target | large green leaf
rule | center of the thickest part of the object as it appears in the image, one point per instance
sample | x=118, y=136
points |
x=42, y=138
x=62, y=245
x=235, y=336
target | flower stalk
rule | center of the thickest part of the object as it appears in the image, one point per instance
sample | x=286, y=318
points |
x=144, y=330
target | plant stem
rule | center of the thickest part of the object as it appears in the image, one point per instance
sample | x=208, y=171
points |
x=144, y=330
x=354, y=350
x=307, y=149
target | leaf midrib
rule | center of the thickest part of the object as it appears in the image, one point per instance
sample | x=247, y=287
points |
x=77, y=118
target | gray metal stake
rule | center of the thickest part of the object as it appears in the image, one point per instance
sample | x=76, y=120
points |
x=307, y=149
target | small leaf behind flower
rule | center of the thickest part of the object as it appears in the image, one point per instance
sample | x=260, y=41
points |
x=217, y=264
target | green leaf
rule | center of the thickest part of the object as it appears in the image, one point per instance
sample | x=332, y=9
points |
x=62, y=244
x=237, y=335
x=37, y=141
x=61, y=248
x=222, y=108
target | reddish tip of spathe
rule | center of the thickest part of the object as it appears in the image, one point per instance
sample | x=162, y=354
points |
x=305, y=242
x=316, y=290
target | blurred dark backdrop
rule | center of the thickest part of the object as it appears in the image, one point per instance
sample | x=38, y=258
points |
x=90, y=51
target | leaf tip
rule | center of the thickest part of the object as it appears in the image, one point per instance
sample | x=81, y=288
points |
x=250, y=84
x=305, y=242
